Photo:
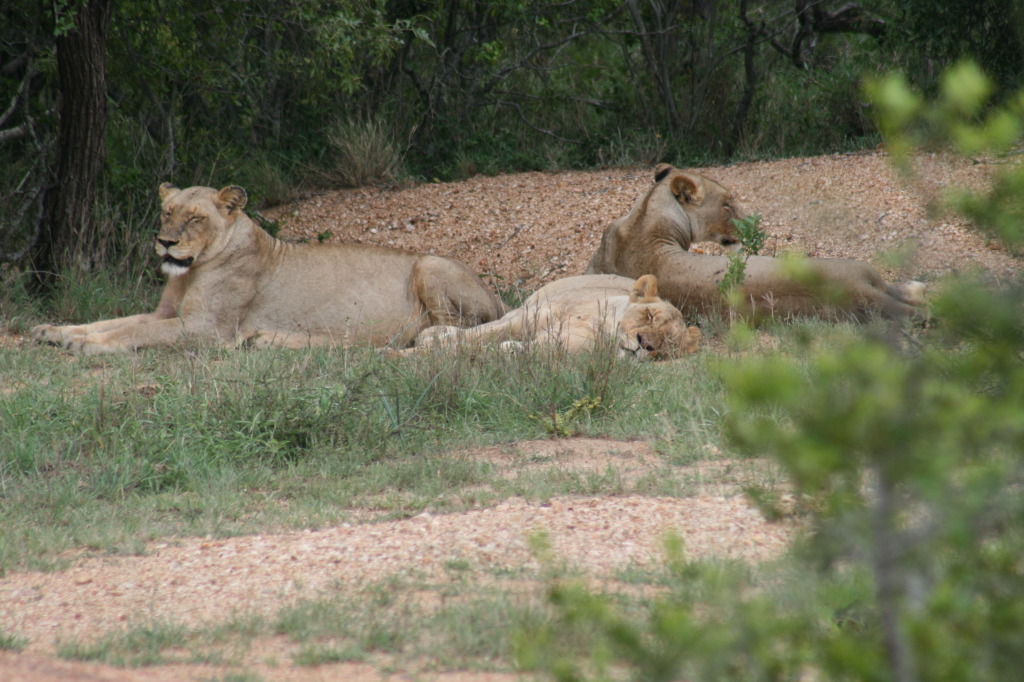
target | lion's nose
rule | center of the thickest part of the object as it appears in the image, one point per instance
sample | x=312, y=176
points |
x=645, y=342
x=730, y=245
x=166, y=243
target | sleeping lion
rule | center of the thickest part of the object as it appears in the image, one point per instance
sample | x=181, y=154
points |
x=578, y=313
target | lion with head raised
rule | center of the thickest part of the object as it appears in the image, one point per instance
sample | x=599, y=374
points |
x=232, y=283
x=579, y=313
x=682, y=208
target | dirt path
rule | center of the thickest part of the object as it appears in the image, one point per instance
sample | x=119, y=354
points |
x=523, y=230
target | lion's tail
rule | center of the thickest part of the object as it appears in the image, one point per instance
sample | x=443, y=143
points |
x=910, y=292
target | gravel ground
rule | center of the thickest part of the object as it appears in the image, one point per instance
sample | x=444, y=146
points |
x=523, y=230
x=531, y=228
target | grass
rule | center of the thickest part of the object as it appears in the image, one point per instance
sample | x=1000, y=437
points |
x=162, y=642
x=108, y=454
x=455, y=625
x=138, y=646
x=12, y=642
x=365, y=151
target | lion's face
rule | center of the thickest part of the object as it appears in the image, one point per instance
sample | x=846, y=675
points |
x=193, y=224
x=652, y=327
x=710, y=206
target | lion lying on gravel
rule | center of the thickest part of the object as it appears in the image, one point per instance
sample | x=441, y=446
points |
x=684, y=208
x=578, y=313
x=232, y=283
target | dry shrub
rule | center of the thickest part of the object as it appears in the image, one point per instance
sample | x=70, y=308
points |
x=365, y=151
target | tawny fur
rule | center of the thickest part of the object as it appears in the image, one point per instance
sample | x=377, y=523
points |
x=684, y=208
x=578, y=313
x=232, y=283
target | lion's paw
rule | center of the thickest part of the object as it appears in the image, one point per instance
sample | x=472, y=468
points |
x=512, y=346
x=89, y=345
x=56, y=336
x=257, y=340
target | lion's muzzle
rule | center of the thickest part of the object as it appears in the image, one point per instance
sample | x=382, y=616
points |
x=185, y=263
x=173, y=267
x=646, y=342
x=169, y=264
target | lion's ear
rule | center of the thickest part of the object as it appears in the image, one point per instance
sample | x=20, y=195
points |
x=232, y=198
x=688, y=187
x=167, y=190
x=646, y=287
x=661, y=170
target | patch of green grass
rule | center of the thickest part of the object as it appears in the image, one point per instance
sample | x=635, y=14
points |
x=132, y=647
x=454, y=625
x=12, y=642
x=109, y=453
x=355, y=627
x=163, y=642
x=306, y=620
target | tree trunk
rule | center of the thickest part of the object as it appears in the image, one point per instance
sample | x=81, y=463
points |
x=750, y=83
x=69, y=228
x=656, y=44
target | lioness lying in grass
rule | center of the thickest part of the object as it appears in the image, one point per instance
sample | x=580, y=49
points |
x=577, y=313
x=232, y=283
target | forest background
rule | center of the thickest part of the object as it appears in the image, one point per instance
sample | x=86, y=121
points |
x=103, y=100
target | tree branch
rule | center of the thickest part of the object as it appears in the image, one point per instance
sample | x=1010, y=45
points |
x=16, y=99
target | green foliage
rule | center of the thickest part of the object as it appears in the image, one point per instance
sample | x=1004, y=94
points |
x=751, y=238
x=963, y=115
x=674, y=635
x=560, y=423
x=804, y=111
x=275, y=95
x=990, y=32
x=909, y=462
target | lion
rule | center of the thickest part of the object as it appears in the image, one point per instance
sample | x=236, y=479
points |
x=578, y=313
x=684, y=208
x=232, y=283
